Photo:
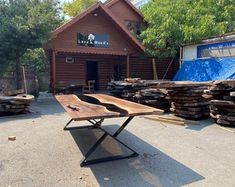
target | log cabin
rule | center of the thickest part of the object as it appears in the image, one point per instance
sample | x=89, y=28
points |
x=99, y=44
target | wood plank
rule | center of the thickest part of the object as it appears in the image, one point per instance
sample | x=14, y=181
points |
x=229, y=129
x=170, y=121
x=85, y=110
x=171, y=117
x=21, y=98
x=223, y=103
x=13, y=92
x=131, y=108
x=232, y=94
x=182, y=84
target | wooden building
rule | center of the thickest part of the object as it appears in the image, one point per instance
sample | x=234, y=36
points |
x=99, y=44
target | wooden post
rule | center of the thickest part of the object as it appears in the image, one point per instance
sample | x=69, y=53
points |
x=128, y=66
x=154, y=69
x=24, y=78
x=53, y=71
x=181, y=56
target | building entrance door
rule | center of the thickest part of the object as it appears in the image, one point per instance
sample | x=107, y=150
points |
x=92, y=71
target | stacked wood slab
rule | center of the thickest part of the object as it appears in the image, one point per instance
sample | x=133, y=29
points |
x=14, y=104
x=124, y=89
x=153, y=97
x=187, y=99
x=139, y=91
x=222, y=108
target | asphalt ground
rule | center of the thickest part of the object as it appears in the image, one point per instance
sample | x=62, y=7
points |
x=169, y=155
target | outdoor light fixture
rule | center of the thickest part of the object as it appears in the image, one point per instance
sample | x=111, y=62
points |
x=95, y=14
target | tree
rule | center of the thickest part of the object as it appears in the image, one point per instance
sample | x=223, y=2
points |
x=36, y=60
x=173, y=23
x=25, y=24
x=77, y=6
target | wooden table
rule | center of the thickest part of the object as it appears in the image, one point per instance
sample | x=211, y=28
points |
x=80, y=110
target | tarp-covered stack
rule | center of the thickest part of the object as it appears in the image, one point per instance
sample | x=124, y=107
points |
x=139, y=91
x=15, y=104
x=186, y=99
x=222, y=108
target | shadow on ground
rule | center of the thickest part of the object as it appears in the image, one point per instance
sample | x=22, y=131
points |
x=202, y=124
x=151, y=168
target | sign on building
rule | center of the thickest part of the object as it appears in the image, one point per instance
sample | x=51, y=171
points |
x=93, y=40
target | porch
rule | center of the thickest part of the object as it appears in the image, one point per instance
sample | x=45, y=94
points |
x=74, y=67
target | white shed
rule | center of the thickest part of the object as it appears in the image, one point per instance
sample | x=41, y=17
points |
x=218, y=46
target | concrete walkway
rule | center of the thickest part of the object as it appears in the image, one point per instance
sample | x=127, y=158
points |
x=170, y=155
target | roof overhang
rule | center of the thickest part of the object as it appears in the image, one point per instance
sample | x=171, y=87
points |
x=92, y=52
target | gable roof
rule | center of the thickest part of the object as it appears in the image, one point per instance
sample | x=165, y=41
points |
x=108, y=13
x=75, y=19
x=109, y=3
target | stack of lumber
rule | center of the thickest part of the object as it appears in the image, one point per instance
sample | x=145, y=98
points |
x=222, y=108
x=124, y=89
x=187, y=99
x=152, y=97
x=139, y=91
x=15, y=104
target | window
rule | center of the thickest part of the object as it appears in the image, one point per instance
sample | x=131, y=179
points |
x=133, y=26
x=70, y=60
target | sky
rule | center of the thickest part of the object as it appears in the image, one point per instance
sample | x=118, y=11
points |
x=62, y=1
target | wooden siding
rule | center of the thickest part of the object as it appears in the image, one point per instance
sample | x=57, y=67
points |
x=65, y=71
x=119, y=42
x=139, y=67
x=142, y=67
x=77, y=70
x=124, y=12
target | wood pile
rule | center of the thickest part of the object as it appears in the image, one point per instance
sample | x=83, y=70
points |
x=139, y=91
x=222, y=106
x=187, y=99
x=15, y=104
x=153, y=97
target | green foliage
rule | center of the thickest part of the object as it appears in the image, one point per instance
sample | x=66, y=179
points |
x=36, y=59
x=175, y=22
x=77, y=6
x=25, y=24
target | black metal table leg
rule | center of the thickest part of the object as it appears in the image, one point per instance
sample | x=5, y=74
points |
x=85, y=160
x=97, y=124
x=65, y=127
x=123, y=126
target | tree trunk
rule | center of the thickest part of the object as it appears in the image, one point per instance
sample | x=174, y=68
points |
x=18, y=81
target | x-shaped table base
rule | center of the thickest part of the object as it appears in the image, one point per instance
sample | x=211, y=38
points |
x=97, y=124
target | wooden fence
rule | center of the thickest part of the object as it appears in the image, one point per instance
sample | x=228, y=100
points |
x=34, y=81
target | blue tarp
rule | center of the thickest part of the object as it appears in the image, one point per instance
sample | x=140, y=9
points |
x=206, y=70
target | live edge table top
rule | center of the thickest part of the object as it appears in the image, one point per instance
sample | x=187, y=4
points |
x=85, y=111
